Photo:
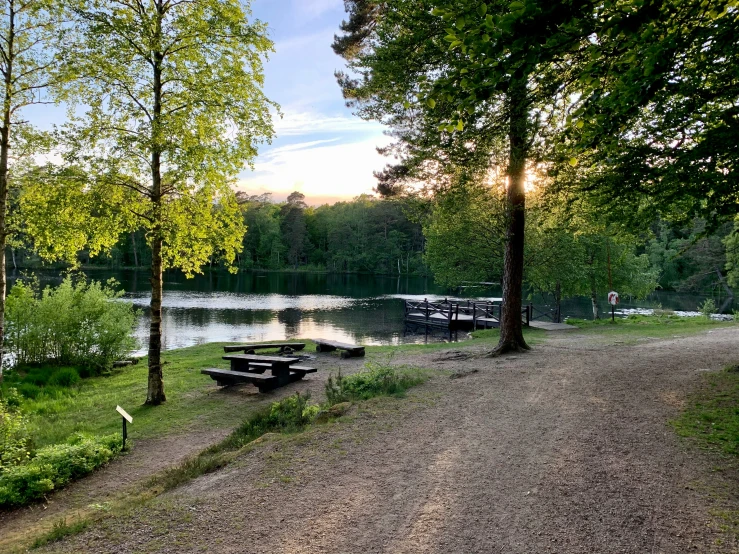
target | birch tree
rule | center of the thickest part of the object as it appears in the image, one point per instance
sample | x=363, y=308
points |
x=171, y=108
x=30, y=31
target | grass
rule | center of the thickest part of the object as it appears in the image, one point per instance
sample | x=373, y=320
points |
x=712, y=417
x=192, y=401
x=643, y=326
x=60, y=530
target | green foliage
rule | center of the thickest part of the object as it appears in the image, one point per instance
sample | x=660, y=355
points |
x=712, y=417
x=732, y=255
x=64, y=377
x=60, y=530
x=15, y=440
x=76, y=323
x=54, y=466
x=708, y=308
x=376, y=380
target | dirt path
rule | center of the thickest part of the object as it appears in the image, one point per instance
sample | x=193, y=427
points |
x=565, y=449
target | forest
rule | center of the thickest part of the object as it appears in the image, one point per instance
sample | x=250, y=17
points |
x=392, y=236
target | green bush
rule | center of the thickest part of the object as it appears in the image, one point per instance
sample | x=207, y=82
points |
x=15, y=442
x=77, y=323
x=707, y=308
x=29, y=390
x=64, y=377
x=53, y=467
x=376, y=380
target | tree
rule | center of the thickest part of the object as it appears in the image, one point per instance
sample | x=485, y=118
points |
x=30, y=31
x=657, y=116
x=294, y=228
x=174, y=110
x=458, y=79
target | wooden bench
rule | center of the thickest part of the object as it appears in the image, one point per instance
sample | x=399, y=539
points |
x=252, y=348
x=348, y=350
x=226, y=377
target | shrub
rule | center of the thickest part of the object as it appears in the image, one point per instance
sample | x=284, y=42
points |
x=15, y=442
x=707, y=308
x=76, y=323
x=29, y=390
x=53, y=467
x=65, y=377
x=376, y=380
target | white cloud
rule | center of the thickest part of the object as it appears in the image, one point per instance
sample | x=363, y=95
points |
x=301, y=121
x=324, y=172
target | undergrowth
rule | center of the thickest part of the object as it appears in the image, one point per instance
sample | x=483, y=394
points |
x=60, y=530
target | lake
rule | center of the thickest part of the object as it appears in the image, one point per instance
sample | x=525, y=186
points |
x=253, y=306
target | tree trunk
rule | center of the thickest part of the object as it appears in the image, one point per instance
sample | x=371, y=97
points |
x=511, y=325
x=135, y=252
x=4, y=151
x=155, y=392
x=594, y=300
x=558, y=303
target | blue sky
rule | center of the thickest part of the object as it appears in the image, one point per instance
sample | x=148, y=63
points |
x=320, y=148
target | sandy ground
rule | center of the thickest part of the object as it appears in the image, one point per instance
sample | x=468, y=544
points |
x=565, y=449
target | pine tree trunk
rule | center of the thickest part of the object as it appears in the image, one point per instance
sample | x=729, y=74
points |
x=511, y=325
x=558, y=302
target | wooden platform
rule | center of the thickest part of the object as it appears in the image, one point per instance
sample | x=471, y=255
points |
x=459, y=314
x=348, y=350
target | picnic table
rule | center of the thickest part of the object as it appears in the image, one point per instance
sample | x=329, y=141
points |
x=251, y=368
x=252, y=348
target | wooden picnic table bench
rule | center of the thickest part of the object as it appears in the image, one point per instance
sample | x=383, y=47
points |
x=252, y=348
x=226, y=377
x=250, y=368
x=349, y=350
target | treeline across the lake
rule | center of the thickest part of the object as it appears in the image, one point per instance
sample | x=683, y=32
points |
x=364, y=235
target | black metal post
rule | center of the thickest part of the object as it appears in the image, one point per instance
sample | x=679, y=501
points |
x=125, y=433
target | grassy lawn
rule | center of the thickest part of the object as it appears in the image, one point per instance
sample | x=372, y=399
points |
x=712, y=417
x=642, y=326
x=192, y=400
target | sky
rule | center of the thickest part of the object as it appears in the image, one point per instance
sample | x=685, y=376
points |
x=320, y=148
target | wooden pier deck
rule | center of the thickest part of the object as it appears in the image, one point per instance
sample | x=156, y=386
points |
x=458, y=314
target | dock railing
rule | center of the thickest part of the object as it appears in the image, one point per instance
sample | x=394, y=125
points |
x=481, y=313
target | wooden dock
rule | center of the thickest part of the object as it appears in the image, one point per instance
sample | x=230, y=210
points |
x=459, y=314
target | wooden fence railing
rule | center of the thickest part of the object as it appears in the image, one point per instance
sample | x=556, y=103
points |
x=452, y=312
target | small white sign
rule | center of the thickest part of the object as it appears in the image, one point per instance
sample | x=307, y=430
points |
x=124, y=413
x=613, y=298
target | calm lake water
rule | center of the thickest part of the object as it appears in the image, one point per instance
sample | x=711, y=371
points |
x=365, y=309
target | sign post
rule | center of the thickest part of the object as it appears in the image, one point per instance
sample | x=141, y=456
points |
x=124, y=418
x=613, y=300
